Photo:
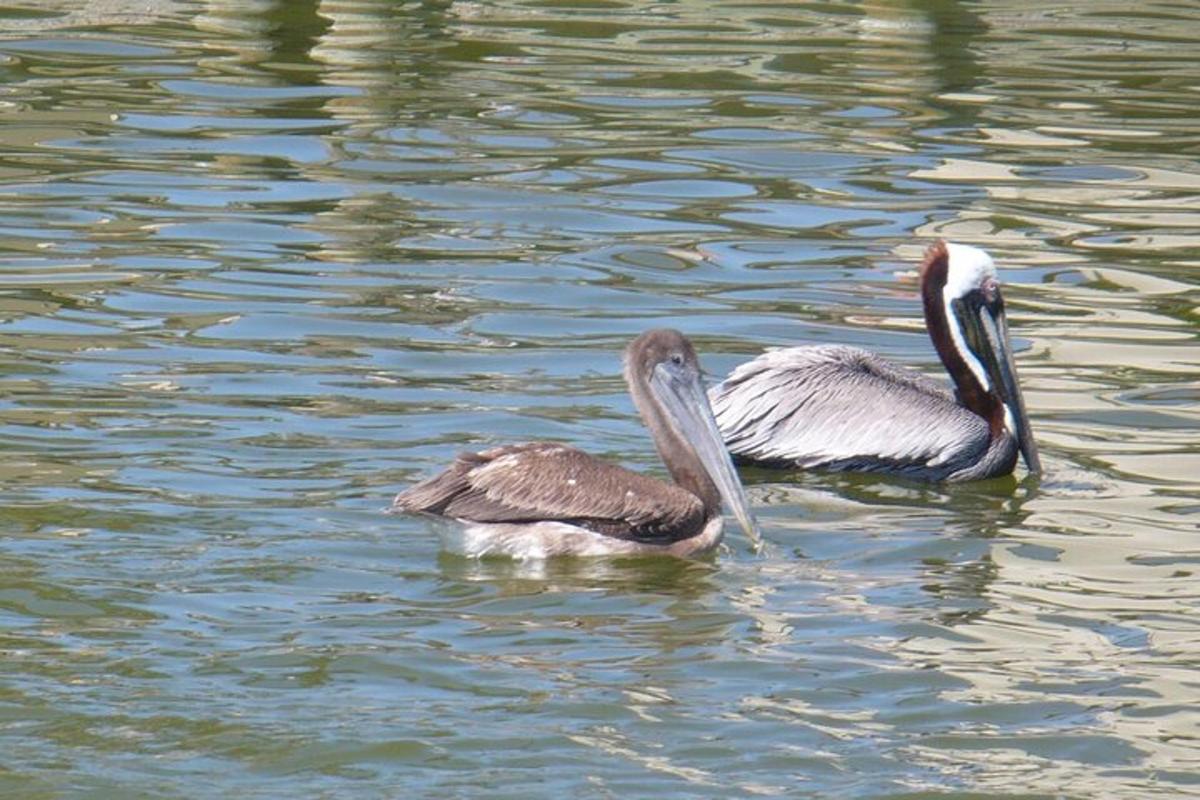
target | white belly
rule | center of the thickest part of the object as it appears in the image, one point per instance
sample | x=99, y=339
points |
x=536, y=540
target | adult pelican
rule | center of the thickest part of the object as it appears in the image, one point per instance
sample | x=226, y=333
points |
x=844, y=409
x=542, y=499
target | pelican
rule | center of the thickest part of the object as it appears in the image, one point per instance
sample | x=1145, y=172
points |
x=840, y=408
x=541, y=499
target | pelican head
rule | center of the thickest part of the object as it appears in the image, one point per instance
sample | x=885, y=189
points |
x=665, y=380
x=965, y=315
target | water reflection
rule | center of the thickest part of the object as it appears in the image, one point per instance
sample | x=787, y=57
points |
x=670, y=577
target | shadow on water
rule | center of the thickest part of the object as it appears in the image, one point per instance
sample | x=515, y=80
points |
x=981, y=509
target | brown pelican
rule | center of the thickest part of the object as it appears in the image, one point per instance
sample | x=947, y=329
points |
x=844, y=409
x=542, y=499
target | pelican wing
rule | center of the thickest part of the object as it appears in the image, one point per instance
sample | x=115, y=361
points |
x=540, y=481
x=843, y=408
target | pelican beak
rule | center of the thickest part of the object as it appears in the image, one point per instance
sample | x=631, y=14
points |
x=682, y=394
x=989, y=338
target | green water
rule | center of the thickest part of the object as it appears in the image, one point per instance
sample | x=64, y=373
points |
x=262, y=264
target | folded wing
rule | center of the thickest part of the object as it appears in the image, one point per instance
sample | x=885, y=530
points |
x=542, y=481
x=843, y=408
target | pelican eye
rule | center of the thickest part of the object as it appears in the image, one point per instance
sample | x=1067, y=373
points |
x=677, y=359
x=990, y=289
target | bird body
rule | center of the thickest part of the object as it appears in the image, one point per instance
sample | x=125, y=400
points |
x=842, y=408
x=542, y=499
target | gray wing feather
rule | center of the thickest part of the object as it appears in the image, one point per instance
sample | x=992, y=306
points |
x=844, y=408
x=542, y=481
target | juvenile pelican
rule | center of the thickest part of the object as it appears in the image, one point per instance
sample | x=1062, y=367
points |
x=542, y=499
x=844, y=409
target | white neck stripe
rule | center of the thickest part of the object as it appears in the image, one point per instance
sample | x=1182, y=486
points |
x=960, y=343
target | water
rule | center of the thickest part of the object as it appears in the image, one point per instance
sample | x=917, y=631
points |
x=266, y=263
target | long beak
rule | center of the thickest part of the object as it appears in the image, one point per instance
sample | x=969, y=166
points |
x=687, y=406
x=999, y=364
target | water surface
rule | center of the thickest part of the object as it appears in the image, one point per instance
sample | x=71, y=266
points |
x=265, y=263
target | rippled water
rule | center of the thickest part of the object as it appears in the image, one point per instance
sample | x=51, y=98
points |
x=264, y=263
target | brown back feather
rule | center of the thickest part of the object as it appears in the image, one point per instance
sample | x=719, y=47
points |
x=541, y=481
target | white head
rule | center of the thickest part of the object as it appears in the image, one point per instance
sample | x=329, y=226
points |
x=967, y=268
